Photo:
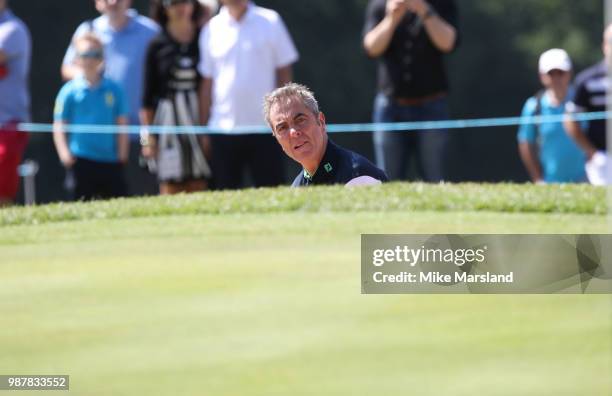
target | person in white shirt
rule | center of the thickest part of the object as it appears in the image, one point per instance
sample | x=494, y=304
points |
x=246, y=52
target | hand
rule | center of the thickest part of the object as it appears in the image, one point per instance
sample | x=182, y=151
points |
x=418, y=7
x=206, y=146
x=67, y=160
x=149, y=151
x=396, y=9
x=590, y=153
x=123, y=159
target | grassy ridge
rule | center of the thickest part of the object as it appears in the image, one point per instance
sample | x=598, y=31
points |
x=577, y=199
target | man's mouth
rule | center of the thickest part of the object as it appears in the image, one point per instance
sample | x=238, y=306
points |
x=299, y=146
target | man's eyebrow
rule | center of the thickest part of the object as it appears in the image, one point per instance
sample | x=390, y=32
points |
x=298, y=115
x=278, y=124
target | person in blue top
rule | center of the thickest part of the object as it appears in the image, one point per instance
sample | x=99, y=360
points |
x=126, y=35
x=94, y=160
x=299, y=127
x=548, y=153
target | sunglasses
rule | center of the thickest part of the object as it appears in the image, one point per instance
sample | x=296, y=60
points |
x=91, y=54
x=169, y=3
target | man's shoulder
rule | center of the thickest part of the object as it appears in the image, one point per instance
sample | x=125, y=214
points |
x=360, y=165
x=597, y=70
x=266, y=14
x=146, y=24
x=364, y=167
x=15, y=25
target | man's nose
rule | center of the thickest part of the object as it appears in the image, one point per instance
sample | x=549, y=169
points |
x=293, y=131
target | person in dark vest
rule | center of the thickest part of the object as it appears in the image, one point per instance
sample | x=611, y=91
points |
x=409, y=38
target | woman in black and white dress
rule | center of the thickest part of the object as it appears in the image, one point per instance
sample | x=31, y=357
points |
x=171, y=99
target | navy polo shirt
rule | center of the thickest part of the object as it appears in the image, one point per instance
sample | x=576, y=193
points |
x=339, y=166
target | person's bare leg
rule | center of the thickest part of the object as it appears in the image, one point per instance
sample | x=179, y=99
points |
x=170, y=188
x=196, y=186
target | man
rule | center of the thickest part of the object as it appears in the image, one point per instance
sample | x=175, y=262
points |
x=15, y=52
x=590, y=95
x=126, y=37
x=410, y=37
x=246, y=52
x=299, y=127
x=549, y=155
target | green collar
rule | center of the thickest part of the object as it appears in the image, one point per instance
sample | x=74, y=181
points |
x=327, y=166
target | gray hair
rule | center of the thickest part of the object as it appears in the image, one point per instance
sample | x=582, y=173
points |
x=288, y=92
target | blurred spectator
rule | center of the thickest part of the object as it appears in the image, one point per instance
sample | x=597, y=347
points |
x=94, y=161
x=171, y=98
x=246, y=53
x=550, y=155
x=125, y=36
x=410, y=37
x=590, y=88
x=209, y=9
x=15, y=50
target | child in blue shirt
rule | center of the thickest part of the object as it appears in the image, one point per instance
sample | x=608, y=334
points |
x=94, y=160
x=548, y=153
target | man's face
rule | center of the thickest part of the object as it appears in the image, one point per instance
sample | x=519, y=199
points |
x=607, y=43
x=300, y=133
x=233, y=2
x=89, y=56
x=116, y=7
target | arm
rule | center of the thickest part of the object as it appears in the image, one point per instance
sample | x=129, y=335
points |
x=377, y=40
x=442, y=34
x=284, y=75
x=151, y=91
x=574, y=130
x=61, y=144
x=147, y=140
x=123, y=141
x=205, y=93
x=69, y=71
x=14, y=42
x=530, y=157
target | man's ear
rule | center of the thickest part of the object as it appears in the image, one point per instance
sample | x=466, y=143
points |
x=321, y=118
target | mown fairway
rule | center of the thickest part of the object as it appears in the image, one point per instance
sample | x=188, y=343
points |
x=129, y=299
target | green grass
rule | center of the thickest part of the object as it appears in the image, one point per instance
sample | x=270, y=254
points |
x=392, y=197
x=133, y=297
